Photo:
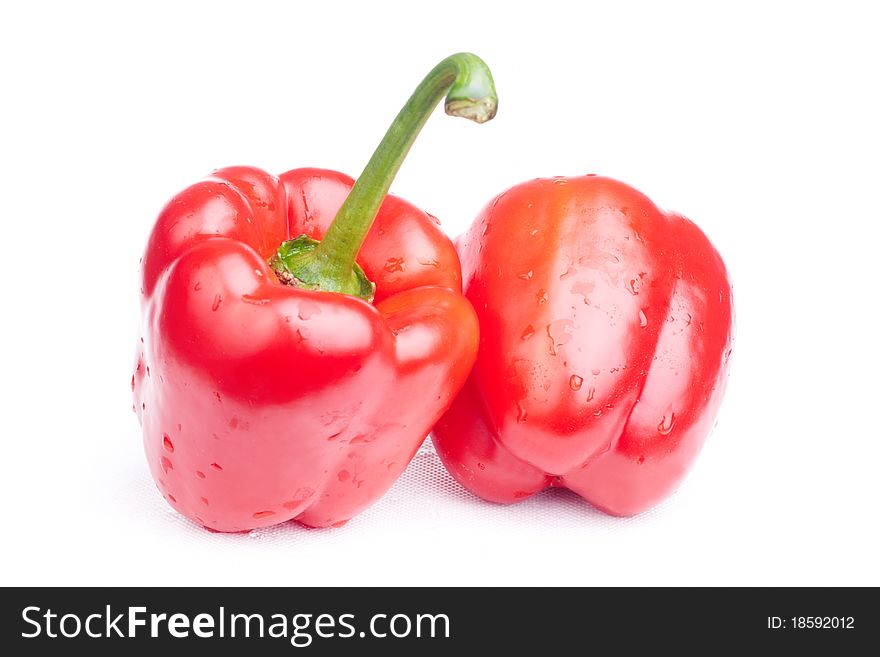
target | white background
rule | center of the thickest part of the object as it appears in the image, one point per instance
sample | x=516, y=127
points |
x=759, y=121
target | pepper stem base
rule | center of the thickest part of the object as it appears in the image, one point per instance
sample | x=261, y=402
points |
x=298, y=263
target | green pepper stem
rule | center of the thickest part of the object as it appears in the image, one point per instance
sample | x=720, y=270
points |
x=470, y=93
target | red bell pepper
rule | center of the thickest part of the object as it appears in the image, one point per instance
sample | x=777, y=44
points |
x=276, y=377
x=606, y=330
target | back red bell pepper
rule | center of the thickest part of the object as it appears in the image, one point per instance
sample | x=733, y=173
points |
x=268, y=384
x=606, y=329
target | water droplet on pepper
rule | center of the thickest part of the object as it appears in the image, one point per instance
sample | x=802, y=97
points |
x=666, y=424
x=394, y=264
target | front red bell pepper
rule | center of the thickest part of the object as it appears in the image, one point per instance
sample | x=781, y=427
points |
x=269, y=385
x=606, y=330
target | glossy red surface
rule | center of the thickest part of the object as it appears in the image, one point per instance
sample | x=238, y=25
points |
x=606, y=330
x=262, y=402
